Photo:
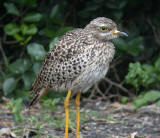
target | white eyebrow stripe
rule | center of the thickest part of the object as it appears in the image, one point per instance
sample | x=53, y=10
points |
x=102, y=24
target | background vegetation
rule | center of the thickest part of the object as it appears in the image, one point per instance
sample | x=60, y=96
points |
x=29, y=28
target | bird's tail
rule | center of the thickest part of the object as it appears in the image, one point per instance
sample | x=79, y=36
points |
x=37, y=96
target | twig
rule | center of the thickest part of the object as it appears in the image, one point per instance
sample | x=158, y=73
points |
x=99, y=91
x=3, y=16
x=116, y=62
x=9, y=42
x=116, y=74
x=108, y=89
x=117, y=85
x=23, y=51
x=3, y=54
x=92, y=93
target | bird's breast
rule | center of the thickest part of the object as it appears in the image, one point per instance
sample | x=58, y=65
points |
x=103, y=53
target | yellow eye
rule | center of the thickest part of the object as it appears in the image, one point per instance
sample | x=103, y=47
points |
x=103, y=29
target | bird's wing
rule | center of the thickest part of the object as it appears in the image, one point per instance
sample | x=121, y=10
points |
x=64, y=62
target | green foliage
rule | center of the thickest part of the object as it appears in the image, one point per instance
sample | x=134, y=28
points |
x=16, y=108
x=11, y=8
x=19, y=66
x=22, y=33
x=34, y=120
x=144, y=75
x=146, y=97
x=22, y=27
x=9, y=85
x=93, y=114
x=111, y=118
x=32, y=17
x=36, y=51
x=11, y=29
x=124, y=100
x=53, y=42
x=28, y=78
x=147, y=76
x=50, y=104
x=30, y=28
x=132, y=47
x=158, y=103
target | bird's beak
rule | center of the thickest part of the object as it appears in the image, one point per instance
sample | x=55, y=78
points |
x=116, y=32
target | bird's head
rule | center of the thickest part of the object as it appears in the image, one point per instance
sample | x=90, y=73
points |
x=104, y=29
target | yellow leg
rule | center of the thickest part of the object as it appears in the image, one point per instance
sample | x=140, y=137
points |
x=77, y=101
x=66, y=105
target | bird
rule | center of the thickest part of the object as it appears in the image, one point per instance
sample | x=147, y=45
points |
x=79, y=59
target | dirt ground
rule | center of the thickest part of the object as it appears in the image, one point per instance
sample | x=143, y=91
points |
x=125, y=122
x=106, y=121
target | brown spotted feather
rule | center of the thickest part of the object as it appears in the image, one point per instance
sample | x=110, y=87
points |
x=79, y=59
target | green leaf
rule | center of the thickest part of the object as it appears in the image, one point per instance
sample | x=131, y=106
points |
x=149, y=96
x=27, y=3
x=122, y=4
x=28, y=29
x=18, y=37
x=32, y=29
x=24, y=28
x=158, y=103
x=132, y=77
x=36, y=67
x=19, y=66
x=11, y=29
x=33, y=17
x=11, y=8
x=51, y=103
x=133, y=47
x=36, y=51
x=141, y=75
x=16, y=107
x=120, y=43
x=27, y=39
x=124, y=100
x=9, y=85
x=54, y=11
x=53, y=42
x=28, y=79
x=49, y=32
x=157, y=63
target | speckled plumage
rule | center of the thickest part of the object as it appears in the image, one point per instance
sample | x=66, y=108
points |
x=79, y=59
